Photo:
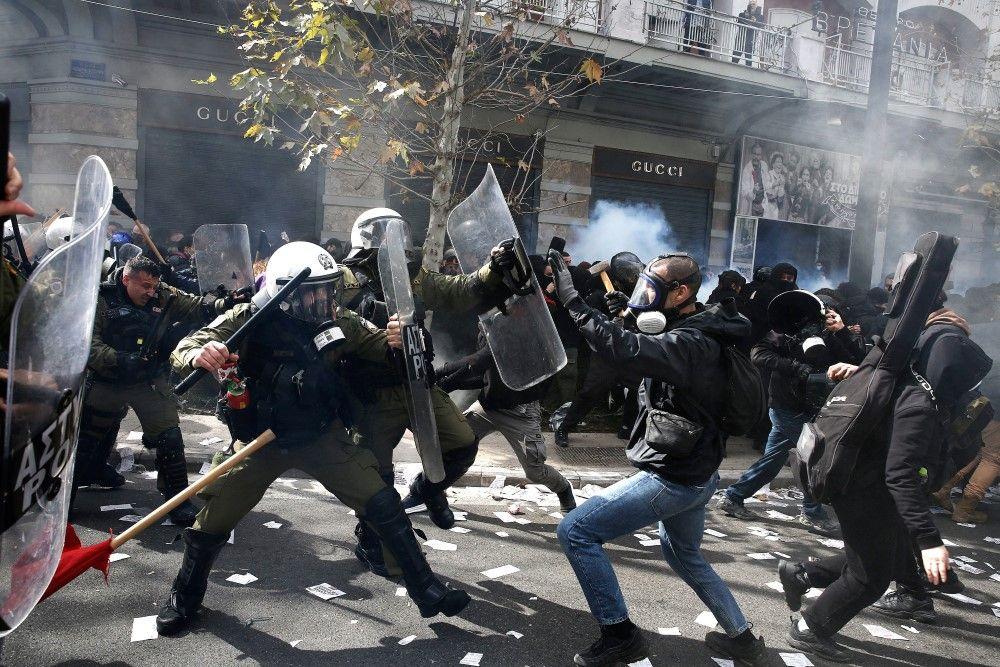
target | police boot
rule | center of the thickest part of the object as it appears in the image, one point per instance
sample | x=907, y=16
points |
x=456, y=463
x=171, y=476
x=385, y=513
x=188, y=591
x=98, y=432
x=369, y=548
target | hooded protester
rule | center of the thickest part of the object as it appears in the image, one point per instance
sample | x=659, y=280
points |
x=884, y=508
x=781, y=279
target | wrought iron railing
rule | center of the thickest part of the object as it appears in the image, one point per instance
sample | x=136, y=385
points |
x=911, y=79
x=981, y=95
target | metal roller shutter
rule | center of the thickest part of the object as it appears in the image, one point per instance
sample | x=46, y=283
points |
x=687, y=210
x=194, y=178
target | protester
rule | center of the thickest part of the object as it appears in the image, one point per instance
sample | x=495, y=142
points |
x=179, y=258
x=564, y=388
x=683, y=368
x=449, y=263
x=884, y=504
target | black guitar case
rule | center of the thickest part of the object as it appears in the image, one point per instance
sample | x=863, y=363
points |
x=828, y=447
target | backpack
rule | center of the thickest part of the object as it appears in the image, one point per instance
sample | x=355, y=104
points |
x=827, y=450
x=746, y=401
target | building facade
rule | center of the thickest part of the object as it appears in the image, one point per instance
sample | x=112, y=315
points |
x=669, y=146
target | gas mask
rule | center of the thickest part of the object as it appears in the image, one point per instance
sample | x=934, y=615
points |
x=327, y=336
x=650, y=293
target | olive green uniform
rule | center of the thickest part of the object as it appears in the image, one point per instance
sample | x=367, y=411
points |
x=347, y=470
x=11, y=283
x=385, y=417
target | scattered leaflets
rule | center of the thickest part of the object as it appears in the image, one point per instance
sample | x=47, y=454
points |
x=556, y=515
x=325, y=591
x=497, y=482
x=723, y=662
x=669, y=631
x=832, y=543
x=112, y=508
x=514, y=634
x=501, y=571
x=961, y=597
x=127, y=461
x=438, y=545
x=130, y=518
x=210, y=441
x=115, y=557
x=273, y=524
x=471, y=659
x=707, y=619
x=966, y=525
x=910, y=628
x=144, y=628
x=242, y=579
x=796, y=659
x=761, y=556
x=401, y=591
x=500, y=533
x=776, y=585
x=714, y=533
x=650, y=543
x=781, y=516
x=206, y=466
x=459, y=529
x=642, y=663
x=883, y=633
x=406, y=640
x=134, y=435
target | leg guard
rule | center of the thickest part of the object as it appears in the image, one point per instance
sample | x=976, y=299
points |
x=456, y=463
x=189, y=586
x=385, y=514
x=172, y=473
x=369, y=548
x=98, y=432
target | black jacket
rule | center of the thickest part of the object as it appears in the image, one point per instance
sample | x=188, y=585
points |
x=782, y=357
x=912, y=438
x=479, y=371
x=683, y=370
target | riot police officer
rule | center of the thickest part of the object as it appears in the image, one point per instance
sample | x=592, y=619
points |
x=385, y=413
x=288, y=367
x=128, y=369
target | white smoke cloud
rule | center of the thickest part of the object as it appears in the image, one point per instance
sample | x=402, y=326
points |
x=616, y=227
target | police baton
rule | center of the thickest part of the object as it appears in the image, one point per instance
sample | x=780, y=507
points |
x=236, y=339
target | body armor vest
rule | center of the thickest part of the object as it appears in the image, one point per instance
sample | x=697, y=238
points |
x=126, y=325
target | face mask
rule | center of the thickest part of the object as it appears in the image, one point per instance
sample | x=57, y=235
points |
x=651, y=322
x=327, y=336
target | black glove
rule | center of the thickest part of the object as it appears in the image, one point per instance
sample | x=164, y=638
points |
x=131, y=366
x=615, y=302
x=565, y=291
x=801, y=371
x=503, y=260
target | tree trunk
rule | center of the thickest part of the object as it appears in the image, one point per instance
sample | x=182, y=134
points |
x=446, y=147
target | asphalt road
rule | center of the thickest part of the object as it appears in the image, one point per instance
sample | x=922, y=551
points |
x=274, y=621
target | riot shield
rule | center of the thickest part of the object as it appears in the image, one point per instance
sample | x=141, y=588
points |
x=125, y=252
x=395, y=278
x=49, y=345
x=222, y=257
x=524, y=342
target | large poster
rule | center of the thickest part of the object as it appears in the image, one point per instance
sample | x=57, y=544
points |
x=792, y=183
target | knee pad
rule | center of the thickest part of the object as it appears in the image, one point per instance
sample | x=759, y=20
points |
x=383, y=506
x=458, y=458
x=169, y=445
x=96, y=423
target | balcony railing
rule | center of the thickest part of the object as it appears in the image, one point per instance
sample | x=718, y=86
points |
x=911, y=80
x=981, y=95
x=709, y=33
x=586, y=15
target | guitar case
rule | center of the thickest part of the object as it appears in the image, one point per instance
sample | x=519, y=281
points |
x=827, y=450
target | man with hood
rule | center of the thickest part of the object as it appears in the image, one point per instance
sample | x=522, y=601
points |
x=884, y=509
x=678, y=352
x=781, y=279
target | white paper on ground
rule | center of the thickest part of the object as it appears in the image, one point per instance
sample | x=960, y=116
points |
x=971, y=569
x=714, y=533
x=814, y=593
x=650, y=543
x=724, y=662
x=144, y=628
x=406, y=640
x=117, y=557
x=134, y=435
x=471, y=659
x=642, y=663
x=556, y=515
x=883, y=633
x=785, y=556
x=149, y=474
x=459, y=529
x=514, y=634
x=996, y=611
x=400, y=591
x=295, y=642
x=962, y=597
x=205, y=467
x=506, y=517
x=993, y=540
x=669, y=631
x=761, y=556
x=707, y=619
x=966, y=525
x=273, y=524
x=242, y=579
x=130, y=518
x=460, y=516
x=210, y=441
x=910, y=628
x=168, y=522
x=501, y=571
x=832, y=543
x=498, y=482
x=438, y=545
x=417, y=508
x=949, y=543
x=325, y=591
x=232, y=537
x=781, y=516
x=995, y=577
x=112, y=508
x=776, y=585
x=500, y=533
x=796, y=659
x=965, y=559
x=127, y=461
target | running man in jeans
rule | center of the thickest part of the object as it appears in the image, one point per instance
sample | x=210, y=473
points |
x=790, y=408
x=683, y=367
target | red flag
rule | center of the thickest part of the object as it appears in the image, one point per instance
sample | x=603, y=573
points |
x=77, y=559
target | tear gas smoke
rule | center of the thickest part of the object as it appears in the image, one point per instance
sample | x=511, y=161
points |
x=614, y=227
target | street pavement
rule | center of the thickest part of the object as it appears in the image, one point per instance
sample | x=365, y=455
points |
x=274, y=621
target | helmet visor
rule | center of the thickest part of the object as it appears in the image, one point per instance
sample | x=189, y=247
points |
x=316, y=302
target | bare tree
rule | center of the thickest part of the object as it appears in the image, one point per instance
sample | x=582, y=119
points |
x=326, y=76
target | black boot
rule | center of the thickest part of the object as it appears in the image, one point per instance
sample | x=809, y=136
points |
x=369, y=548
x=456, y=463
x=567, y=501
x=189, y=586
x=906, y=605
x=619, y=644
x=385, y=514
x=794, y=582
x=744, y=649
x=561, y=435
x=171, y=476
x=93, y=449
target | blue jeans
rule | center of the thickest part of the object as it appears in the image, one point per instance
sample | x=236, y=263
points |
x=786, y=425
x=628, y=506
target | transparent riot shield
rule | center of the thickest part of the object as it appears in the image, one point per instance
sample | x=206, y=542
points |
x=48, y=349
x=395, y=278
x=222, y=258
x=125, y=252
x=524, y=342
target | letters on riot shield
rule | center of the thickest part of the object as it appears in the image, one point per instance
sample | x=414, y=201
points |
x=395, y=278
x=222, y=258
x=49, y=345
x=521, y=334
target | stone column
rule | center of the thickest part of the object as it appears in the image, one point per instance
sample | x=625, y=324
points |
x=72, y=119
x=565, y=189
x=722, y=216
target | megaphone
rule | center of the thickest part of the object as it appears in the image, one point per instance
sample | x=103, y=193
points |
x=800, y=315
